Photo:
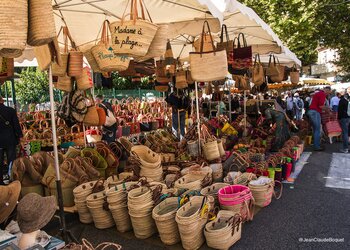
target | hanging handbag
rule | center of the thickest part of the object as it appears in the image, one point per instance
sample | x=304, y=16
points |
x=242, y=56
x=92, y=116
x=6, y=68
x=207, y=46
x=208, y=66
x=169, y=56
x=61, y=70
x=75, y=57
x=41, y=23
x=257, y=71
x=294, y=74
x=133, y=37
x=180, y=78
x=84, y=81
x=158, y=45
x=226, y=45
x=104, y=54
x=275, y=70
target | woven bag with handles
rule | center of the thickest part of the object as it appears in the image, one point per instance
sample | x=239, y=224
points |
x=133, y=43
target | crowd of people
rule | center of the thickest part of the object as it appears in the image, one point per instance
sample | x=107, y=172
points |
x=297, y=106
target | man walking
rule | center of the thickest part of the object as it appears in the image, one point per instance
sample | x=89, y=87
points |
x=10, y=135
x=344, y=117
x=316, y=107
x=335, y=102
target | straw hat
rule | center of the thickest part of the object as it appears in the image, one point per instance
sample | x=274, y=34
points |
x=8, y=199
x=34, y=212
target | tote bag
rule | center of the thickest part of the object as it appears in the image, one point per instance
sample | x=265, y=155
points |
x=208, y=66
x=257, y=71
x=242, y=56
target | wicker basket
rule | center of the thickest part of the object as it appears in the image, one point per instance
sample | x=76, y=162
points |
x=191, y=221
x=140, y=206
x=13, y=27
x=117, y=200
x=211, y=150
x=164, y=215
x=75, y=63
x=80, y=193
x=191, y=182
x=41, y=28
x=102, y=218
x=213, y=190
x=158, y=45
x=263, y=190
x=60, y=70
x=224, y=231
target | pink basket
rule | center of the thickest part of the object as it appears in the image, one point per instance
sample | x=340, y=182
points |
x=234, y=195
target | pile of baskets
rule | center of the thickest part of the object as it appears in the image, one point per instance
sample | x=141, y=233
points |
x=150, y=162
x=81, y=192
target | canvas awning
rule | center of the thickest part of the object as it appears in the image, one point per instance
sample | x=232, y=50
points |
x=185, y=17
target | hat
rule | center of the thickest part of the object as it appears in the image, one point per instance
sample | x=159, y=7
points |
x=8, y=199
x=296, y=95
x=34, y=212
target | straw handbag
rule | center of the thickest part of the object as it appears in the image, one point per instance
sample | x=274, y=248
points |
x=224, y=231
x=6, y=68
x=210, y=145
x=44, y=56
x=169, y=58
x=294, y=74
x=258, y=76
x=226, y=45
x=208, y=66
x=13, y=28
x=181, y=80
x=61, y=69
x=80, y=193
x=164, y=215
x=84, y=81
x=64, y=83
x=91, y=59
x=41, y=28
x=191, y=219
x=275, y=70
x=158, y=45
x=75, y=57
x=133, y=37
x=105, y=57
x=140, y=204
x=213, y=190
x=207, y=45
x=263, y=189
x=92, y=117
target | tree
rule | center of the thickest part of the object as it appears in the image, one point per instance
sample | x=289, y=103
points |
x=293, y=21
x=304, y=25
x=32, y=86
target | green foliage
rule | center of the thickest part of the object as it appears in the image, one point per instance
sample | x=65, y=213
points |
x=293, y=21
x=32, y=86
x=123, y=83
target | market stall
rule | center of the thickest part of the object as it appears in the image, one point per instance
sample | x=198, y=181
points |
x=131, y=182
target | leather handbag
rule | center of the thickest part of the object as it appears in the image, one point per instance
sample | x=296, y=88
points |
x=258, y=76
x=226, y=44
x=275, y=70
x=242, y=56
x=294, y=74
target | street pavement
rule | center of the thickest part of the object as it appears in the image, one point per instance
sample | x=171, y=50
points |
x=308, y=211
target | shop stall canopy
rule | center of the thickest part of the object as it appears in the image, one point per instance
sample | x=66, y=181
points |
x=185, y=19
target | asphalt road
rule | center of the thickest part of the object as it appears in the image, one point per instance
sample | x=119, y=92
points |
x=307, y=211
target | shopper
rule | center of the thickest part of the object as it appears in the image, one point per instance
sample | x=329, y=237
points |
x=281, y=132
x=109, y=133
x=299, y=107
x=281, y=102
x=344, y=117
x=290, y=105
x=335, y=102
x=10, y=135
x=180, y=104
x=316, y=107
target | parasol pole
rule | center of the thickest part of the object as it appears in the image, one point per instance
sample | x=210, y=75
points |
x=56, y=162
x=198, y=120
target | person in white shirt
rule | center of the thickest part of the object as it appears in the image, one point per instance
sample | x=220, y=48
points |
x=299, y=107
x=335, y=102
x=290, y=105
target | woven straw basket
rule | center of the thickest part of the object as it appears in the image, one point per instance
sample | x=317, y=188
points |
x=41, y=28
x=60, y=70
x=224, y=231
x=191, y=182
x=117, y=197
x=102, y=219
x=211, y=150
x=140, y=206
x=80, y=193
x=13, y=36
x=64, y=83
x=164, y=215
x=91, y=59
x=206, y=44
x=84, y=81
x=158, y=45
x=181, y=80
x=213, y=190
x=140, y=39
x=191, y=222
x=75, y=63
x=263, y=193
